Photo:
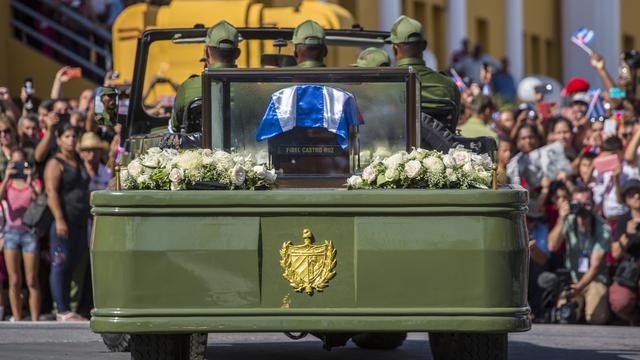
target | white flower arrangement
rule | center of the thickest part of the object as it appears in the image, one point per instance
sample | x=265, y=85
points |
x=170, y=169
x=458, y=169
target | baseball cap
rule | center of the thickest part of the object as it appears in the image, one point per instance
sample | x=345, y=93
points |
x=575, y=85
x=373, y=57
x=406, y=30
x=308, y=32
x=222, y=35
x=108, y=91
x=632, y=184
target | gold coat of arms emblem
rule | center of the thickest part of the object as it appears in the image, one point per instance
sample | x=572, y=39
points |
x=308, y=267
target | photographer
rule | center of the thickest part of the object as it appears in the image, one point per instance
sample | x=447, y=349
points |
x=586, y=236
x=47, y=146
x=20, y=245
x=624, y=292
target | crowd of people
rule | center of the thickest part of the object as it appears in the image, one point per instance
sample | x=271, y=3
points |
x=53, y=155
x=578, y=156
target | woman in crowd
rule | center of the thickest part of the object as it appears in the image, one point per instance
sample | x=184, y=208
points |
x=520, y=169
x=18, y=190
x=67, y=185
x=8, y=142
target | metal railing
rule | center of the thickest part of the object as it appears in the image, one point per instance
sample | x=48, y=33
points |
x=89, y=46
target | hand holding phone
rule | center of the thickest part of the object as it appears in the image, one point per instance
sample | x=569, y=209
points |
x=74, y=72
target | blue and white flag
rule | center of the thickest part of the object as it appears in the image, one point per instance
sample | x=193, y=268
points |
x=310, y=106
x=582, y=37
x=596, y=105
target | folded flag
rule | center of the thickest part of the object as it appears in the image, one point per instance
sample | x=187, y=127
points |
x=596, y=105
x=310, y=106
x=582, y=37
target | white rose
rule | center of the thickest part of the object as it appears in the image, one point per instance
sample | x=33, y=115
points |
x=395, y=160
x=207, y=160
x=448, y=161
x=369, y=174
x=238, y=175
x=461, y=156
x=154, y=151
x=223, y=159
x=134, y=168
x=270, y=176
x=433, y=165
x=260, y=171
x=207, y=153
x=176, y=186
x=355, y=182
x=391, y=174
x=468, y=168
x=124, y=174
x=412, y=168
x=451, y=175
x=151, y=160
x=176, y=175
x=189, y=160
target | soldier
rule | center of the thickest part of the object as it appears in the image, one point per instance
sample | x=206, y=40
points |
x=310, y=49
x=408, y=46
x=108, y=116
x=221, y=51
x=373, y=57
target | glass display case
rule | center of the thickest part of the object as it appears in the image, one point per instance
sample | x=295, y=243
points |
x=329, y=123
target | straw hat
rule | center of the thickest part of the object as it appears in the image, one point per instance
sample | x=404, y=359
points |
x=91, y=141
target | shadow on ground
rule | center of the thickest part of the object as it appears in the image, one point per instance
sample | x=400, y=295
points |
x=412, y=349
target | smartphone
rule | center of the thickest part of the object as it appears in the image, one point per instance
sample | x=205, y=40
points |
x=607, y=163
x=545, y=109
x=28, y=89
x=74, y=72
x=19, y=167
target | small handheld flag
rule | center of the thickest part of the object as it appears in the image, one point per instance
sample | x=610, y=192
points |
x=596, y=105
x=582, y=37
x=458, y=80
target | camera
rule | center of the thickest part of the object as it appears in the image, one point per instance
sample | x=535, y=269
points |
x=556, y=286
x=576, y=207
x=632, y=58
x=28, y=89
x=543, y=89
x=19, y=167
x=532, y=115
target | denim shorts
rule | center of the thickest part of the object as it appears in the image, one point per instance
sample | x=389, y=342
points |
x=20, y=240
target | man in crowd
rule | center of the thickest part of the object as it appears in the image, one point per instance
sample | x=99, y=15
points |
x=221, y=51
x=309, y=46
x=408, y=46
x=625, y=249
x=586, y=236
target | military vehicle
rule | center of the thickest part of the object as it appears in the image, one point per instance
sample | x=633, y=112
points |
x=309, y=256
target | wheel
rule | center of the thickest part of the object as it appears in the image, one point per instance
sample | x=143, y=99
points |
x=117, y=342
x=434, y=135
x=469, y=346
x=168, y=346
x=379, y=341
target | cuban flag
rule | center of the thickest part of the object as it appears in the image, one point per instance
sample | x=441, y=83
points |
x=310, y=106
x=458, y=80
x=582, y=37
x=596, y=105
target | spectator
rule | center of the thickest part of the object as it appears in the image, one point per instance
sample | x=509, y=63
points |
x=505, y=124
x=92, y=150
x=7, y=142
x=562, y=131
x=20, y=245
x=482, y=108
x=43, y=112
x=608, y=185
x=503, y=83
x=587, y=239
x=520, y=169
x=625, y=290
x=67, y=184
x=471, y=65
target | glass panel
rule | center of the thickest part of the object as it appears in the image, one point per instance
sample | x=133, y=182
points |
x=168, y=65
x=383, y=108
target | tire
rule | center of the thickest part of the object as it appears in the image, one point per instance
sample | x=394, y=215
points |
x=379, y=341
x=117, y=342
x=168, y=347
x=469, y=346
x=434, y=135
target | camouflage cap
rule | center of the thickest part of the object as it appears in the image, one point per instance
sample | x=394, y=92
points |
x=308, y=33
x=108, y=91
x=406, y=30
x=373, y=57
x=222, y=35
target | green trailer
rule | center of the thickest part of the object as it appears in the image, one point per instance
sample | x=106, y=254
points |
x=308, y=256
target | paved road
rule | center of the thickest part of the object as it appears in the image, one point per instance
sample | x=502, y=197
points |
x=39, y=341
